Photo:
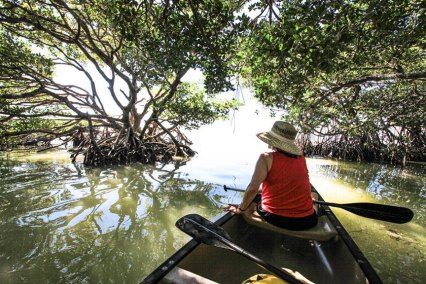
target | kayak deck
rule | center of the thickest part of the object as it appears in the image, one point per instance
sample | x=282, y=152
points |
x=334, y=259
x=320, y=262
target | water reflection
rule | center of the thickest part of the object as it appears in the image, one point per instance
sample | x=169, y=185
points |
x=387, y=184
x=396, y=251
x=61, y=223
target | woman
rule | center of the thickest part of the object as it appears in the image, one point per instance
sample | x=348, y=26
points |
x=285, y=199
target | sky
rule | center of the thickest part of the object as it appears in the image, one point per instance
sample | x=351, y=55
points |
x=240, y=124
x=67, y=75
x=229, y=149
x=229, y=146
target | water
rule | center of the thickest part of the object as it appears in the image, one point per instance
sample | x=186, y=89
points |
x=62, y=223
x=396, y=251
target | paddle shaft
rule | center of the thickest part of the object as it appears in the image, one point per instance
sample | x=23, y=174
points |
x=389, y=213
x=278, y=272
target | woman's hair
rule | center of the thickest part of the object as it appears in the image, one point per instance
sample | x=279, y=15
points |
x=287, y=154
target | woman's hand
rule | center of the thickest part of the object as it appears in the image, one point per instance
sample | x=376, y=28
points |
x=234, y=208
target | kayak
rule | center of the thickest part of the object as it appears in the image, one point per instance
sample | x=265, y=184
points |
x=324, y=254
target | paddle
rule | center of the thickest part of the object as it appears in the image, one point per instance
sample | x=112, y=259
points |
x=389, y=213
x=207, y=232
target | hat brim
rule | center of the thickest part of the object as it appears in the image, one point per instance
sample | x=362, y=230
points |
x=284, y=144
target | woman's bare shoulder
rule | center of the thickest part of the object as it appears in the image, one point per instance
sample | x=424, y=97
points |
x=266, y=155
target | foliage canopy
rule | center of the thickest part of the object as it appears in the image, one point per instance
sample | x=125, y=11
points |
x=351, y=74
x=140, y=50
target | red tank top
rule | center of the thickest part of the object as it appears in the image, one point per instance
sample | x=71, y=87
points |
x=286, y=191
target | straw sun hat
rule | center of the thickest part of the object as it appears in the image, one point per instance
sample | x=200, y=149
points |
x=281, y=136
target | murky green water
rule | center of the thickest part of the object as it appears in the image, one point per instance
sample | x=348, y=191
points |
x=396, y=251
x=61, y=223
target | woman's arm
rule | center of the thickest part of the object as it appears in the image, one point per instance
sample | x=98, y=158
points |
x=262, y=167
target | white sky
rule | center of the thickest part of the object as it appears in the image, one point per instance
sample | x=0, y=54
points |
x=231, y=140
x=228, y=150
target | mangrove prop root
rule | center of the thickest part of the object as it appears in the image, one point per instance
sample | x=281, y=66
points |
x=127, y=150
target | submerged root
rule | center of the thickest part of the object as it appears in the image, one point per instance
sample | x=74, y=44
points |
x=363, y=148
x=130, y=149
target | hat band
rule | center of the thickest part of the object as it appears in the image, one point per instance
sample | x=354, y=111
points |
x=276, y=135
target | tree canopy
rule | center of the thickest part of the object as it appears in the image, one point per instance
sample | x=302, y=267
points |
x=350, y=73
x=141, y=50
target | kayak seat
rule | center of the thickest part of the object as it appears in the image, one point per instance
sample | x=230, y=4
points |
x=323, y=231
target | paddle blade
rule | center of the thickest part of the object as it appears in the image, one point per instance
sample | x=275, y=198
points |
x=203, y=230
x=209, y=233
x=382, y=212
x=388, y=213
